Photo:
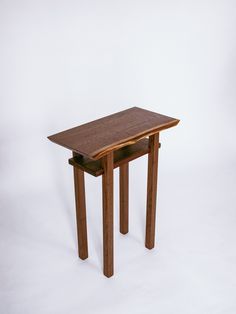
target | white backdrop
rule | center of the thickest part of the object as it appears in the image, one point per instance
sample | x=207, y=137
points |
x=64, y=63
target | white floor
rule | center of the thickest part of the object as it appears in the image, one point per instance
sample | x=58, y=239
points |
x=191, y=270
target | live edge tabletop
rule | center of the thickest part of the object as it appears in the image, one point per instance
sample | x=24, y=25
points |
x=97, y=138
x=98, y=148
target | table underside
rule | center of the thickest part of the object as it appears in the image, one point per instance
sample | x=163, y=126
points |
x=121, y=156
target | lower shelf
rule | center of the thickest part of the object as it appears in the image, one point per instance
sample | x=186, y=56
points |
x=121, y=156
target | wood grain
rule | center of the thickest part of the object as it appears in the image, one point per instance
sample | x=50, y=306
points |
x=107, y=188
x=151, y=191
x=124, y=198
x=95, y=139
x=80, y=213
x=121, y=156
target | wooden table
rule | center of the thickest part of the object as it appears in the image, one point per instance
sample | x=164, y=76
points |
x=102, y=145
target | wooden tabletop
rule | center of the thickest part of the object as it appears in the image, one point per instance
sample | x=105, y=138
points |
x=95, y=139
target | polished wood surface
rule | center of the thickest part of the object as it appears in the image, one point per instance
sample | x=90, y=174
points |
x=151, y=191
x=124, y=198
x=121, y=156
x=107, y=190
x=80, y=213
x=97, y=138
x=99, y=147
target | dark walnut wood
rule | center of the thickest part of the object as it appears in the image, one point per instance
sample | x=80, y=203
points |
x=97, y=138
x=124, y=198
x=81, y=213
x=151, y=191
x=121, y=156
x=107, y=190
x=99, y=147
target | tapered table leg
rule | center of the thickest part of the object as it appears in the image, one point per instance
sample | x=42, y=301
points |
x=124, y=198
x=152, y=191
x=107, y=187
x=80, y=212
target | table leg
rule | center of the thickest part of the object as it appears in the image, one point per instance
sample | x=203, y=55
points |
x=80, y=213
x=124, y=198
x=152, y=191
x=107, y=187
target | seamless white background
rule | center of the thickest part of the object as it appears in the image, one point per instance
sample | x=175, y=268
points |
x=64, y=63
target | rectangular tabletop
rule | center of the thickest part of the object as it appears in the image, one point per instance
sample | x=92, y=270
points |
x=95, y=139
